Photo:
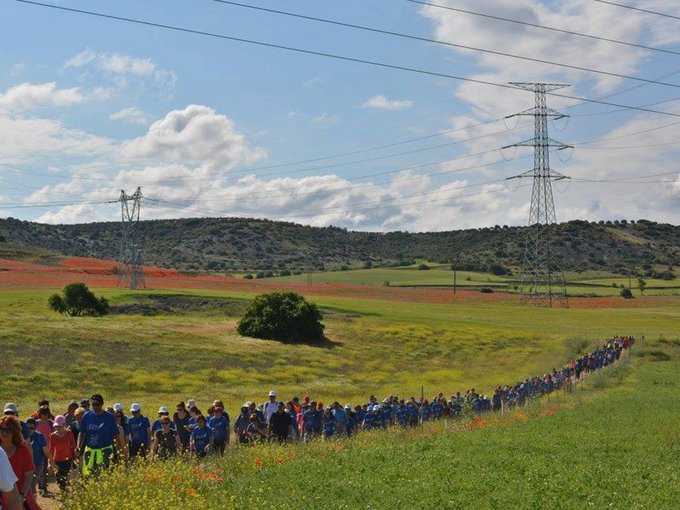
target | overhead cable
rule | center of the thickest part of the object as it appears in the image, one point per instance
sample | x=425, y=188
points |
x=335, y=56
x=454, y=45
x=543, y=27
x=624, y=6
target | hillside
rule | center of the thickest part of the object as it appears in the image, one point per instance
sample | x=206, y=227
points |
x=240, y=244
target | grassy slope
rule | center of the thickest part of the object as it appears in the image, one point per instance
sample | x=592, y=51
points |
x=381, y=347
x=614, y=443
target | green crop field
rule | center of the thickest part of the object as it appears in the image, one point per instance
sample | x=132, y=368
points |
x=586, y=284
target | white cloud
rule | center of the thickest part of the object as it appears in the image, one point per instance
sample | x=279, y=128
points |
x=28, y=96
x=120, y=67
x=197, y=134
x=131, y=115
x=27, y=139
x=380, y=102
x=80, y=213
x=325, y=120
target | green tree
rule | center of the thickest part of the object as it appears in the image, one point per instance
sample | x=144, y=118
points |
x=641, y=285
x=77, y=300
x=626, y=293
x=283, y=316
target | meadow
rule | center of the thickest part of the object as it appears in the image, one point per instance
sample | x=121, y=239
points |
x=613, y=442
x=605, y=445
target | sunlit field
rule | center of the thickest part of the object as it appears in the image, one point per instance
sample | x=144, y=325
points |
x=605, y=445
x=177, y=340
x=375, y=346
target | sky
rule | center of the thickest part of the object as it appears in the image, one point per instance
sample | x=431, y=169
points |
x=212, y=126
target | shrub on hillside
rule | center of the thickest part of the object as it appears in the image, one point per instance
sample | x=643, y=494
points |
x=486, y=290
x=423, y=267
x=626, y=293
x=283, y=316
x=77, y=300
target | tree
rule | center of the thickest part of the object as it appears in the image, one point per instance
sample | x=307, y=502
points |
x=283, y=316
x=626, y=293
x=641, y=285
x=78, y=300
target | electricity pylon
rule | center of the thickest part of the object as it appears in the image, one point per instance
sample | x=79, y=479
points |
x=130, y=265
x=542, y=281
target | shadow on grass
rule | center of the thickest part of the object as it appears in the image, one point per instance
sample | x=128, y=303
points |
x=323, y=343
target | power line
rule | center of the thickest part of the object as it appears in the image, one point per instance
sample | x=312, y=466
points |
x=543, y=27
x=453, y=45
x=334, y=56
x=656, y=13
x=168, y=179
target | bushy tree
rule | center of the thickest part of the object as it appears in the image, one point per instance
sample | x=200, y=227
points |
x=77, y=300
x=626, y=293
x=283, y=316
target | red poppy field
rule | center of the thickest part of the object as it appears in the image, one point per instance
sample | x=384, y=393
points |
x=97, y=273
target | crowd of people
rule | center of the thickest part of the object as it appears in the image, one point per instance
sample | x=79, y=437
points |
x=89, y=436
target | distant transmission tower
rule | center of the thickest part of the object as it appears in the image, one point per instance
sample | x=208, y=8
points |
x=542, y=281
x=130, y=265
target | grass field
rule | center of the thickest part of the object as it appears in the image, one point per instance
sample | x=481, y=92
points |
x=577, y=284
x=607, y=445
x=381, y=347
x=613, y=443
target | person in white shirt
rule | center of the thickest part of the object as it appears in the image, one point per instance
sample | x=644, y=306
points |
x=8, y=481
x=270, y=407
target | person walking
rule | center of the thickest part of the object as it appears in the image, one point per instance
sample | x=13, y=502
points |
x=219, y=424
x=166, y=441
x=140, y=433
x=41, y=455
x=98, y=432
x=201, y=437
x=241, y=425
x=63, y=450
x=271, y=406
x=12, y=442
x=181, y=420
x=9, y=494
x=279, y=424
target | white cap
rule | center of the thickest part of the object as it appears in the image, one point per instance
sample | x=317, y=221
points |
x=376, y=407
x=135, y=407
x=248, y=404
x=10, y=407
x=272, y=393
x=118, y=407
x=348, y=406
x=191, y=402
x=163, y=409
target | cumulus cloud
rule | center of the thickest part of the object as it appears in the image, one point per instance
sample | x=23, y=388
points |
x=132, y=115
x=196, y=134
x=120, y=67
x=25, y=139
x=380, y=102
x=28, y=96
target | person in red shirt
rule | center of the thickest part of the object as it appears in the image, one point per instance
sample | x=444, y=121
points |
x=19, y=456
x=63, y=448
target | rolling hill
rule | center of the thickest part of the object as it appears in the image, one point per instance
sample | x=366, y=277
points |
x=241, y=244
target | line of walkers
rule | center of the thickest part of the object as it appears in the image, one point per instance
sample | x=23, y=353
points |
x=97, y=436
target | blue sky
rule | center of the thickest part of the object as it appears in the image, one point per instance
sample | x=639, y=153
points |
x=210, y=127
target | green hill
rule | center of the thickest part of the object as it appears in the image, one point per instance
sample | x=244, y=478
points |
x=241, y=244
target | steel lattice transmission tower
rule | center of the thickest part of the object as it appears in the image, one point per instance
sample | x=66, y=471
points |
x=130, y=265
x=542, y=281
